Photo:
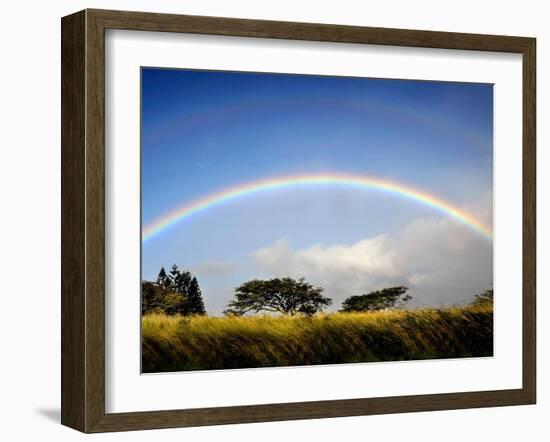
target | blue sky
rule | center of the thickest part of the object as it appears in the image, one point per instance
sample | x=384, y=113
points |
x=203, y=131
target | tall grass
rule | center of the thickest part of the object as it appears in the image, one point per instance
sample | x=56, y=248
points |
x=175, y=343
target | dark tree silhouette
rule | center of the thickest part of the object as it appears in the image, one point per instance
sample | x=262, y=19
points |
x=150, y=300
x=195, y=304
x=175, y=293
x=182, y=282
x=157, y=298
x=279, y=295
x=162, y=278
x=392, y=297
x=179, y=281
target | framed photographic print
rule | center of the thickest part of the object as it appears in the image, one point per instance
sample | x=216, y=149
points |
x=267, y=220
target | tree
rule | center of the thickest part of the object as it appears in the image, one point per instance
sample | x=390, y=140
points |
x=157, y=298
x=195, y=304
x=279, y=295
x=178, y=280
x=174, y=303
x=149, y=297
x=184, y=283
x=484, y=298
x=175, y=293
x=392, y=297
x=162, y=278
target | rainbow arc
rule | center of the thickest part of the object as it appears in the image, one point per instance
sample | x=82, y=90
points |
x=199, y=205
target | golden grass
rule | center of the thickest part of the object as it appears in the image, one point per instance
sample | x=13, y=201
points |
x=175, y=343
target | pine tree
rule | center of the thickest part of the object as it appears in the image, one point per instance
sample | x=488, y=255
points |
x=182, y=282
x=162, y=278
x=195, y=304
x=174, y=278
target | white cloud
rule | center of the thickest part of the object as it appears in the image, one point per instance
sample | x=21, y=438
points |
x=367, y=257
x=440, y=260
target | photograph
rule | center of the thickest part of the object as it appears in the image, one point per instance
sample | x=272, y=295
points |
x=301, y=220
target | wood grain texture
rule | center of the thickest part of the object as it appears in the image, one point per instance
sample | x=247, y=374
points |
x=73, y=257
x=145, y=21
x=95, y=222
x=83, y=220
x=529, y=221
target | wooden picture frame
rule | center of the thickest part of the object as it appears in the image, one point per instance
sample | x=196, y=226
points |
x=83, y=220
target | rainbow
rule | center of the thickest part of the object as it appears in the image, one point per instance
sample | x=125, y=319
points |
x=229, y=194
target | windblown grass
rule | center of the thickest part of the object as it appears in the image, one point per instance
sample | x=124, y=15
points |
x=176, y=343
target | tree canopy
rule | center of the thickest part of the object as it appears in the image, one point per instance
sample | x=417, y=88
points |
x=156, y=298
x=175, y=293
x=184, y=283
x=278, y=295
x=392, y=297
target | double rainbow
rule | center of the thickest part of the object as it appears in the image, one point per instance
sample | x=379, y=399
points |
x=364, y=182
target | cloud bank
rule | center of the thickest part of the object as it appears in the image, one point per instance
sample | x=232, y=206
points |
x=441, y=261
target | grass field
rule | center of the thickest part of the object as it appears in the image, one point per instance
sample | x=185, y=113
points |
x=176, y=343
